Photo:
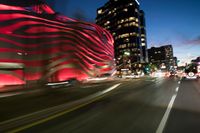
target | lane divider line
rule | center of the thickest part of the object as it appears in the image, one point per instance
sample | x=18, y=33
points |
x=101, y=95
x=177, y=89
x=166, y=115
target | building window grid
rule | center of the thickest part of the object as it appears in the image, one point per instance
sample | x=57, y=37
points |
x=126, y=22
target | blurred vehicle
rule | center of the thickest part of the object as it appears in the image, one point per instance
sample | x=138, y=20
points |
x=191, y=72
x=173, y=74
x=160, y=73
x=132, y=76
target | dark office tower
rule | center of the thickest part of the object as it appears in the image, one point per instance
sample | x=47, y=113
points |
x=143, y=36
x=126, y=23
x=162, y=56
x=175, y=61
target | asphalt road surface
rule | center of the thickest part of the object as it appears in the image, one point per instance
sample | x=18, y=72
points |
x=148, y=105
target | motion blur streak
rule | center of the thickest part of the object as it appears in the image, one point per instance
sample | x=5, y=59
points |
x=39, y=45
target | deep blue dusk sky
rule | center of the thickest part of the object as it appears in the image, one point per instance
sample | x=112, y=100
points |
x=175, y=22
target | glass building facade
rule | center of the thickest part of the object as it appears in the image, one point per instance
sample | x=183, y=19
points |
x=126, y=22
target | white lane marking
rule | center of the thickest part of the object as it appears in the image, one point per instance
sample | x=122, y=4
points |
x=179, y=82
x=177, y=89
x=111, y=88
x=89, y=86
x=58, y=106
x=166, y=115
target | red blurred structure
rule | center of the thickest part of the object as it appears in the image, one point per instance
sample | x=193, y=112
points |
x=37, y=45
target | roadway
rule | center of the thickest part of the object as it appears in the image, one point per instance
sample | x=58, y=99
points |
x=147, y=105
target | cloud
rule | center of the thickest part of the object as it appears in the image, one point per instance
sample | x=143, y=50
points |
x=195, y=41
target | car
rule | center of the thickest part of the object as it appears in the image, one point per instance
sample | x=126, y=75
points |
x=173, y=74
x=191, y=72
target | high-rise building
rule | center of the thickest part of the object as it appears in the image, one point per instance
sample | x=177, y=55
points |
x=162, y=56
x=126, y=22
x=175, y=61
x=143, y=36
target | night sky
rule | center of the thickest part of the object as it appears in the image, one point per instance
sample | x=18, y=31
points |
x=175, y=22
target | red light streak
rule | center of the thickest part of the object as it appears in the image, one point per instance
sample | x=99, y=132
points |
x=52, y=49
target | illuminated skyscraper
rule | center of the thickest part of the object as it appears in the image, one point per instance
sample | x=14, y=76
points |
x=126, y=22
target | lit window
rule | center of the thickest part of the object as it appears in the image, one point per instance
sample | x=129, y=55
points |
x=100, y=11
x=126, y=25
x=124, y=35
x=132, y=24
x=133, y=34
x=131, y=18
x=119, y=26
x=143, y=44
x=126, y=20
x=131, y=4
x=125, y=10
